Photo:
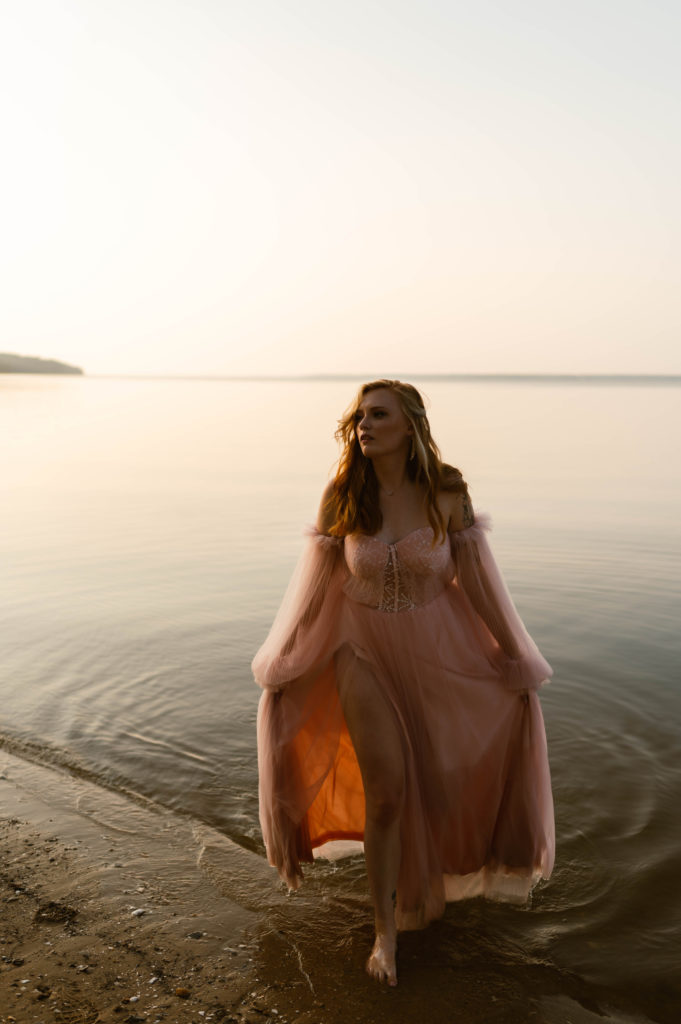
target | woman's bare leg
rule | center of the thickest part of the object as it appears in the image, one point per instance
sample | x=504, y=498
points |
x=379, y=752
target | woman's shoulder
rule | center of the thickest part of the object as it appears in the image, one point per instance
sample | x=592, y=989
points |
x=454, y=500
x=326, y=516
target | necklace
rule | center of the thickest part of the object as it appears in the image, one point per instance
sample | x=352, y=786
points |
x=394, y=490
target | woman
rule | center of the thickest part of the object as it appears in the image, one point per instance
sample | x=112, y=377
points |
x=399, y=705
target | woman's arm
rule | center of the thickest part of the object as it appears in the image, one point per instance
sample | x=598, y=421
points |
x=326, y=515
x=308, y=610
x=324, y=522
x=472, y=575
x=481, y=582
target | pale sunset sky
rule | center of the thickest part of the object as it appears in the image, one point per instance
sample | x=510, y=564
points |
x=310, y=186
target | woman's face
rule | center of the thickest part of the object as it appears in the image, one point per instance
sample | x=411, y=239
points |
x=382, y=428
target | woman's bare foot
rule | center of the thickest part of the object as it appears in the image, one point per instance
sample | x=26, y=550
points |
x=381, y=963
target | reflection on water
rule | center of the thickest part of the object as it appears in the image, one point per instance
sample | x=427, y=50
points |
x=149, y=528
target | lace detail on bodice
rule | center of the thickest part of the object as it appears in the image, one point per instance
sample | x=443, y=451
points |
x=397, y=594
x=397, y=577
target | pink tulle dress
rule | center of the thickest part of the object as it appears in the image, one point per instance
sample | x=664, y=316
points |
x=437, y=630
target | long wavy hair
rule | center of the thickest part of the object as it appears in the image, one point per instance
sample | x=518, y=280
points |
x=354, y=501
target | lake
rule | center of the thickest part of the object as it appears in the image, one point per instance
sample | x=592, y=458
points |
x=149, y=528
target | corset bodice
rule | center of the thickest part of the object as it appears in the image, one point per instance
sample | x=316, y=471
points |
x=397, y=577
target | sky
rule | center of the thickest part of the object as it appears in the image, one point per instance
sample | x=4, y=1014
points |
x=311, y=186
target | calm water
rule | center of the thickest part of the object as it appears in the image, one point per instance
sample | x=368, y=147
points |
x=149, y=528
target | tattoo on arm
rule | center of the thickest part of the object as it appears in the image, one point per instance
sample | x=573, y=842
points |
x=468, y=517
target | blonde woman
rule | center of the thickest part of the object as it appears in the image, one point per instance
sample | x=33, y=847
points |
x=399, y=704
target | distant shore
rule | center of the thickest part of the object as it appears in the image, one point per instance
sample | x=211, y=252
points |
x=11, y=363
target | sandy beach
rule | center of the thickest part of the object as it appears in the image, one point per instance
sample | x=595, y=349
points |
x=109, y=912
x=114, y=910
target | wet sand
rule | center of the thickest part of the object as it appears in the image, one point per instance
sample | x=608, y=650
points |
x=114, y=910
x=100, y=896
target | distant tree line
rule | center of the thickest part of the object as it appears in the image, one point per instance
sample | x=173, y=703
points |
x=10, y=363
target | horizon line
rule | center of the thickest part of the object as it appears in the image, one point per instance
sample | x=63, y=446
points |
x=528, y=377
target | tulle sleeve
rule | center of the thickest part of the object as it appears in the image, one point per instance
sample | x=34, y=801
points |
x=479, y=578
x=299, y=704
x=299, y=638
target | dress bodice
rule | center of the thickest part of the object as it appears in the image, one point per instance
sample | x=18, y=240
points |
x=400, y=576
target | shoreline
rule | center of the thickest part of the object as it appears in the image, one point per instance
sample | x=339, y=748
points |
x=114, y=910
x=101, y=895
